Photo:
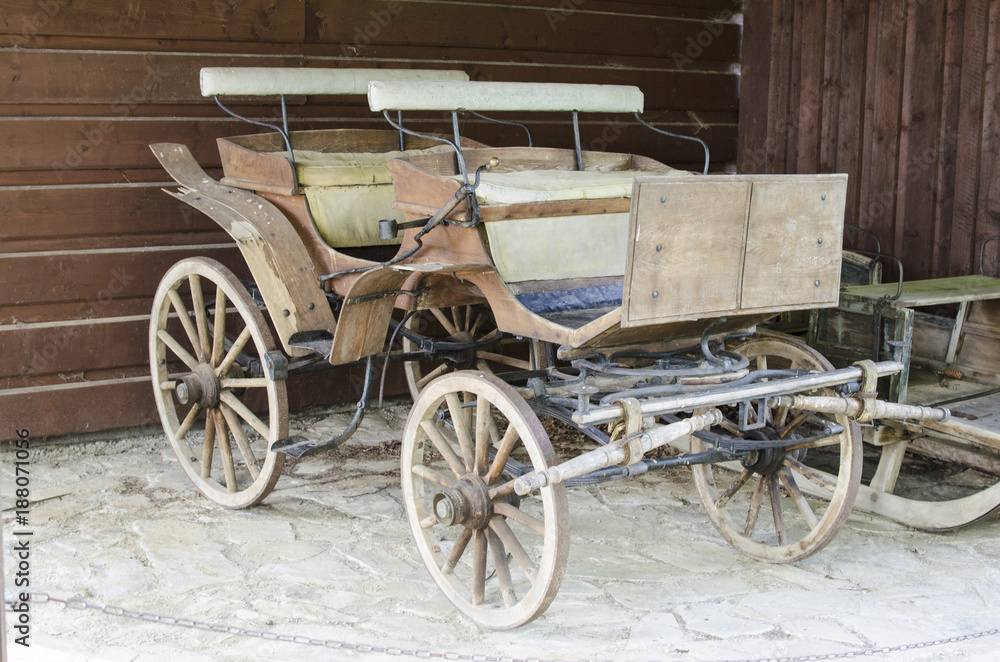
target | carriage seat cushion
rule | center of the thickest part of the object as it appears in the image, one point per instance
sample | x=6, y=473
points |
x=349, y=193
x=550, y=185
x=558, y=247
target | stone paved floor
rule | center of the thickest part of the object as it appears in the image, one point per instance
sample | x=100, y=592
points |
x=329, y=556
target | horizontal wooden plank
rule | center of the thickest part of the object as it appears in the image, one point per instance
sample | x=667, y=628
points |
x=141, y=212
x=60, y=146
x=80, y=346
x=87, y=283
x=87, y=177
x=42, y=77
x=227, y=20
x=78, y=407
x=109, y=404
x=356, y=25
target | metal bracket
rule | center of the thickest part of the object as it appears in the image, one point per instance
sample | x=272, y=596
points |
x=276, y=365
x=745, y=424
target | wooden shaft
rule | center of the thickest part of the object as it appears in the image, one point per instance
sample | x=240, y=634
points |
x=615, y=452
x=853, y=407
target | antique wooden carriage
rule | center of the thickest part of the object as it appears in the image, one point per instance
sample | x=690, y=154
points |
x=517, y=284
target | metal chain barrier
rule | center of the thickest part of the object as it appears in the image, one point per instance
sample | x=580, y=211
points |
x=73, y=603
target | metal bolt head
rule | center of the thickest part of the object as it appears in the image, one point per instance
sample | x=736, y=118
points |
x=181, y=393
x=663, y=199
x=816, y=283
x=312, y=306
x=820, y=240
x=285, y=312
x=656, y=294
x=823, y=197
x=443, y=510
x=659, y=247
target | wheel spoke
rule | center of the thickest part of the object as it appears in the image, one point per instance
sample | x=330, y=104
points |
x=185, y=425
x=244, y=382
x=506, y=360
x=428, y=522
x=832, y=440
x=796, y=423
x=433, y=476
x=436, y=372
x=198, y=308
x=445, y=322
x=502, y=490
x=208, y=448
x=502, y=567
x=181, y=353
x=457, y=550
x=234, y=352
x=755, y=503
x=733, y=489
x=225, y=452
x=822, y=479
x=219, y=326
x=247, y=415
x=443, y=447
x=510, y=437
x=776, y=510
x=478, y=567
x=241, y=440
x=480, y=318
x=483, y=417
x=461, y=423
x=456, y=318
x=184, y=317
x=788, y=480
x=510, y=541
x=519, y=516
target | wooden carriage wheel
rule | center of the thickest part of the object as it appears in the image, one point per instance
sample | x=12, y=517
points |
x=457, y=324
x=499, y=558
x=762, y=508
x=204, y=333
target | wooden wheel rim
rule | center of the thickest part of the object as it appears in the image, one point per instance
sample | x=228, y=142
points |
x=250, y=490
x=840, y=501
x=551, y=563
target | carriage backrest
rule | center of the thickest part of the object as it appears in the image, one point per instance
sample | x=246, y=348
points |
x=488, y=96
x=288, y=81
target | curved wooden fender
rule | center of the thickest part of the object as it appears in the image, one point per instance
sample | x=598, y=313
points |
x=276, y=256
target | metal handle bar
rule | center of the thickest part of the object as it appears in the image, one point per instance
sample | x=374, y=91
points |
x=982, y=251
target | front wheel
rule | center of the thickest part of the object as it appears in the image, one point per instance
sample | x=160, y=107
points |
x=499, y=558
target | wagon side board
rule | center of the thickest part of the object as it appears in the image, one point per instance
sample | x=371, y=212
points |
x=278, y=261
x=704, y=246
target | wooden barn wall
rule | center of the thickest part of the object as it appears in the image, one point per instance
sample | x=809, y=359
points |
x=86, y=233
x=902, y=95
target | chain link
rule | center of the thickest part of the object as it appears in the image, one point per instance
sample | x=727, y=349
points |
x=76, y=603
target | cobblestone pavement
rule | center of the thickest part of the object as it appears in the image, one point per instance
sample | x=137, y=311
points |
x=329, y=556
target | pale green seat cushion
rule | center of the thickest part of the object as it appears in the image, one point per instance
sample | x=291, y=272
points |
x=499, y=188
x=350, y=192
x=559, y=247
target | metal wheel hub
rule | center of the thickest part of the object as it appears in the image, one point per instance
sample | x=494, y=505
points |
x=199, y=386
x=764, y=461
x=467, y=504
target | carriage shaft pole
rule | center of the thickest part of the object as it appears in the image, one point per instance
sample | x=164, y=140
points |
x=853, y=407
x=718, y=397
x=622, y=451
